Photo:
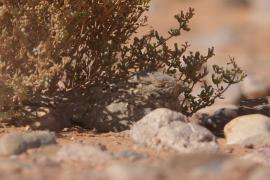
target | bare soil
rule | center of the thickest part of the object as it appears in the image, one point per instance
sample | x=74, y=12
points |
x=249, y=44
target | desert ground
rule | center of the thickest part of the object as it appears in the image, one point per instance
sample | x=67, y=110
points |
x=229, y=140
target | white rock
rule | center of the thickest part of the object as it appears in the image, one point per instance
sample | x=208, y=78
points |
x=248, y=129
x=163, y=128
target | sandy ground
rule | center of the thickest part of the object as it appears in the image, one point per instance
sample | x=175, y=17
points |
x=115, y=142
x=232, y=30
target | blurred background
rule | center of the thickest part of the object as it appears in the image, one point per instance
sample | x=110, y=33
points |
x=236, y=28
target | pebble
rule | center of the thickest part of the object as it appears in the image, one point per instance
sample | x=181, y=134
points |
x=131, y=155
x=17, y=143
x=84, y=153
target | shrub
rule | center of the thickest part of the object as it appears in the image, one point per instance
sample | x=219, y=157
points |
x=51, y=49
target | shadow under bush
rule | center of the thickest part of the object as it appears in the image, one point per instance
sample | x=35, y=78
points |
x=54, y=54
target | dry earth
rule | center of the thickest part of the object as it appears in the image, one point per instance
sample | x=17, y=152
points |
x=235, y=30
x=130, y=161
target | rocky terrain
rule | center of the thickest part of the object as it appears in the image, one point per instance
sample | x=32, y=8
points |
x=162, y=145
x=145, y=137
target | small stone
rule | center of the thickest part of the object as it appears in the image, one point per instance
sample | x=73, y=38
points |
x=83, y=152
x=17, y=143
x=131, y=155
x=166, y=129
x=37, y=139
x=248, y=129
x=12, y=144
